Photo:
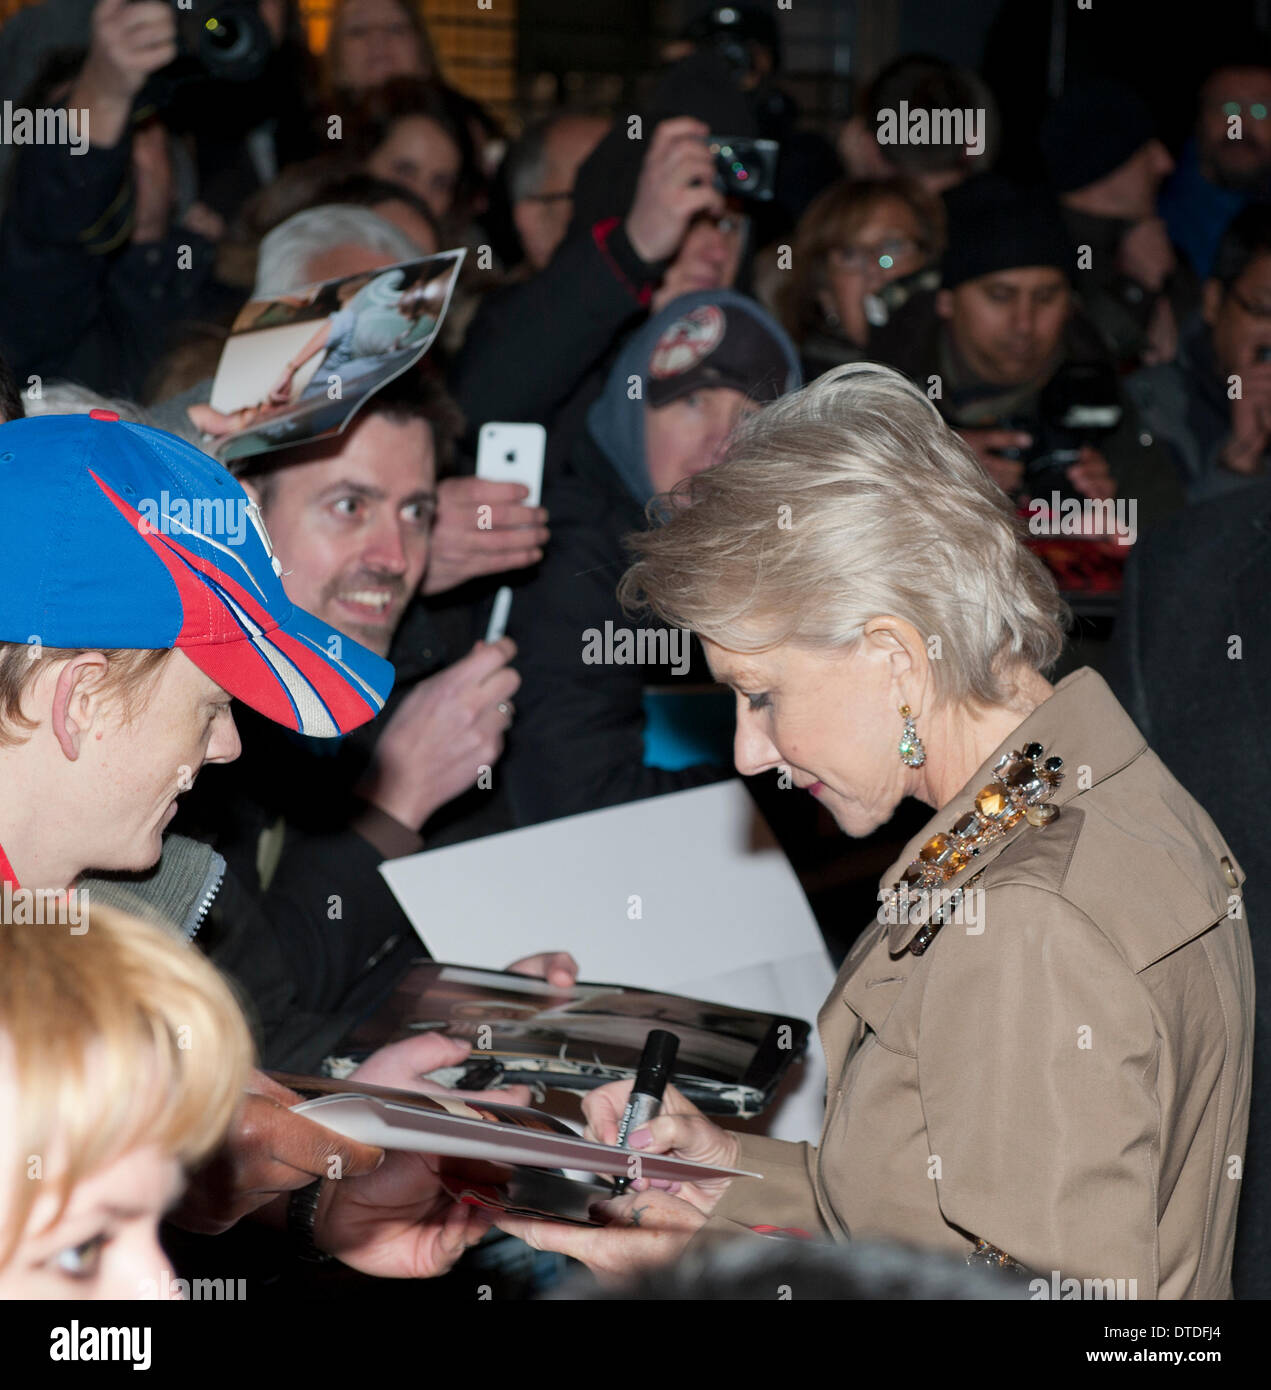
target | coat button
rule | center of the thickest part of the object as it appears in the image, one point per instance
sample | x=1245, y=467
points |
x=1229, y=873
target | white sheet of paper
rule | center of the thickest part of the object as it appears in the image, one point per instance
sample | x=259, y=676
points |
x=687, y=892
x=796, y=986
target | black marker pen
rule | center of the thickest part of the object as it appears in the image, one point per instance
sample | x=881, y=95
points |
x=657, y=1062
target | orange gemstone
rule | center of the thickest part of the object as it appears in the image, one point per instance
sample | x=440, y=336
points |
x=934, y=847
x=992, y=800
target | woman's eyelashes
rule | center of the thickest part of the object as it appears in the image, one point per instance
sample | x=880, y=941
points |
x=760, y=701
x=83, y=1260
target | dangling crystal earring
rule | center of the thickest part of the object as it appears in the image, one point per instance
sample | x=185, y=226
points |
x=911, y=750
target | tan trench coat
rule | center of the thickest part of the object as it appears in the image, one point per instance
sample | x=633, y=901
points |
x=1067, y=1076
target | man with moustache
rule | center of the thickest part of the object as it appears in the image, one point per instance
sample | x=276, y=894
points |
x=307, y=828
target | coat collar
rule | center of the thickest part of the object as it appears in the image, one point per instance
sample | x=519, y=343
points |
x=1084, y=724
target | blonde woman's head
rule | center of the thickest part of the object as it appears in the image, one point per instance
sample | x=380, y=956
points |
x=848, y=556
x=123, y=1056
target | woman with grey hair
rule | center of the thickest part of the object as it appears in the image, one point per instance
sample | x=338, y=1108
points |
x=1039, y=1053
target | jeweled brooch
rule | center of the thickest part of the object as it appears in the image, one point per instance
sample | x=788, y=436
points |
x=1023, y=783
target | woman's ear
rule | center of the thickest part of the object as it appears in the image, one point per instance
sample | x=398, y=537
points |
x=900, y=645
x=77, y=700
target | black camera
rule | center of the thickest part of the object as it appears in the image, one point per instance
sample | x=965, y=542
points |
x=744, y=167
x=895, y=294
x=228, y=42
x=1078, y=407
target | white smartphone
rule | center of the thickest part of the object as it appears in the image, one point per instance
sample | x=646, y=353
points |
x=511, y=453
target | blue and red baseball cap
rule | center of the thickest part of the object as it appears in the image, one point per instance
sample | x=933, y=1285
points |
x=124, y=536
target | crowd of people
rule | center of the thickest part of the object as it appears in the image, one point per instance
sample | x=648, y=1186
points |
x=830, y=431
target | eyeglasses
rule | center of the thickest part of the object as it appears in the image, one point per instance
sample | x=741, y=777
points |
x=1255, y=311
x=883, y=255
x=1257, y=109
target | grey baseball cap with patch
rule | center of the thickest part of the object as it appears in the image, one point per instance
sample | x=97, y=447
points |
x=716, y=345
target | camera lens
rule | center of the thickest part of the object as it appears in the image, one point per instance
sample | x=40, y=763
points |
x=228, y=39
x=733, y=171
x=222, y=36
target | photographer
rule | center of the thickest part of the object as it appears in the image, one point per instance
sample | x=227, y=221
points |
x=748, y=38
x=1212, y=406
x=91, y=264
x=649, y=224
x=998, y=332
x=241, y=97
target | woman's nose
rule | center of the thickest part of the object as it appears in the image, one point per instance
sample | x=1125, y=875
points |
x=753, y=750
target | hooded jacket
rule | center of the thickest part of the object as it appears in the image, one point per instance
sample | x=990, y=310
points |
x=578, y=740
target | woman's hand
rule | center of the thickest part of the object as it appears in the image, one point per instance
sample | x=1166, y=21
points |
x=680, y=1129
x=643, y=1230
x=651, y=1224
